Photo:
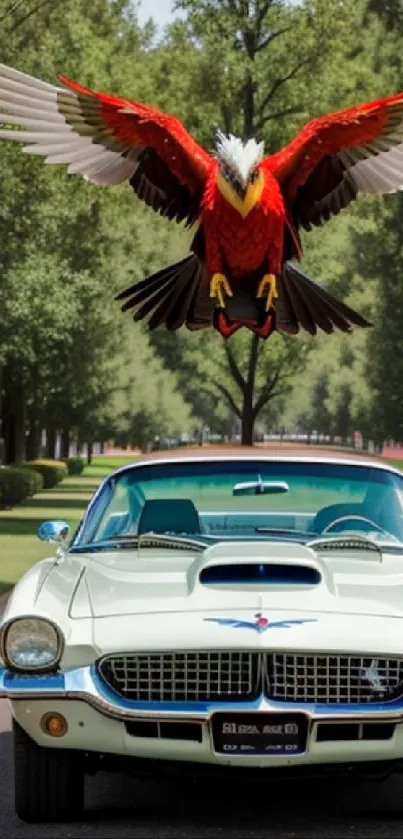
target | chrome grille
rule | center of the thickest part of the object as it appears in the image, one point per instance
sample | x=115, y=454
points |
x=183, y=677
x=207, y=676
x=332, y=679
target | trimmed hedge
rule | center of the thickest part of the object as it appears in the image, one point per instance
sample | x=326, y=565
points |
x=75, y=465
x=18, y=483
x=52, y=471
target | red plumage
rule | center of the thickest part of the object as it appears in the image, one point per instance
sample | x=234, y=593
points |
x=247, y=209
x=243, y=244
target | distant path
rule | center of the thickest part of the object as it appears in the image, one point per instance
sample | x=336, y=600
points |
x=112, y=452
x=394, y=452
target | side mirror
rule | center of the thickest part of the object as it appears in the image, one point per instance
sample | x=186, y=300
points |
x=53, y=531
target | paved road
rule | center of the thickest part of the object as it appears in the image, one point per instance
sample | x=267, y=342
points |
x=121, y=807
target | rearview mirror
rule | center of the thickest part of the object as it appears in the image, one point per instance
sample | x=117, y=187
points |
x=53, y=531
x=260, y=487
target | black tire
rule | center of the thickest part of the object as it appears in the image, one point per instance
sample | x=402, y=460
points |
x=48, y=783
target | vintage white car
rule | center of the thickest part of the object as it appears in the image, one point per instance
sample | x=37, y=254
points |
x=234, y=611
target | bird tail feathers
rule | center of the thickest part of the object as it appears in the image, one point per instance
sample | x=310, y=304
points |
x=169, y=297
x=302, y=302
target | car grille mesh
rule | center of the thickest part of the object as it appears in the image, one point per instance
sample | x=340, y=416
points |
x=183, y=677
x=332, y=679
x=240, y=676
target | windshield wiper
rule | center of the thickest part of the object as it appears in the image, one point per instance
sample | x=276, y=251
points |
x=285, y=531
x=363, y=543
x=142, y=540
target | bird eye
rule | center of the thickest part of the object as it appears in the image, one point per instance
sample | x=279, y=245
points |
x=254, y=176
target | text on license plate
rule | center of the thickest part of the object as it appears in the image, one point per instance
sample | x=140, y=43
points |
x=259, y=733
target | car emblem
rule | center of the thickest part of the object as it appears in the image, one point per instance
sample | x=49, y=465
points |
x=260, y=624
x=372, y=677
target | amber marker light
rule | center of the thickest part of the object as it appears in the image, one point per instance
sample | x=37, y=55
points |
x=54, y=724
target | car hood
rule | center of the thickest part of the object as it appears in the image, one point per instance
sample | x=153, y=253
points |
x=196, y=602
x=232, y=595
x=228, y=576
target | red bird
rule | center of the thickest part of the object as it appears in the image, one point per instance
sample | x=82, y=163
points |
x=248, y=208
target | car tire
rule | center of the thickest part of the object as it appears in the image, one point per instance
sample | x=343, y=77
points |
x=48, y=783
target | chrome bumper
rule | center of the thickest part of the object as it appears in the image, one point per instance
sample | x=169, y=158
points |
x=84, y=684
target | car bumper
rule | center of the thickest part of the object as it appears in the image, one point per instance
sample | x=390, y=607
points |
x=100, y=721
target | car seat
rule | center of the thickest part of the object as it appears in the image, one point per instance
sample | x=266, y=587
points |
x=173, y=515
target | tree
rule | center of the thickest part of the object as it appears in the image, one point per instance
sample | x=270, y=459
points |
x=379, y=259
x=384, y=368
x=145, y=402
x=72, y=363
x=233, y=51
x=57, y=332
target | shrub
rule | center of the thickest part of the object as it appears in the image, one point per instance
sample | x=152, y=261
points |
x=18, y=483
x=75, y=465
x=32, y=480
x=52, y=471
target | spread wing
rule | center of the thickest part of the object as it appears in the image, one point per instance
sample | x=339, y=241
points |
x=336, y=157
x=238, y=624
x=106, y=140
x=286, y=624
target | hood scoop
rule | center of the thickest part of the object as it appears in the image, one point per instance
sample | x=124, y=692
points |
x=259, y=566
x=260, y=573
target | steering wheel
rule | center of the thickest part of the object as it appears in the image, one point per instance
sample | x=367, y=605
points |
x=353, y=517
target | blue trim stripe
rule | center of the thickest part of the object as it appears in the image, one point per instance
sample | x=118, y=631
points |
x=85, y=680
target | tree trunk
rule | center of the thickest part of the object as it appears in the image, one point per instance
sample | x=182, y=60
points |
x=248, y=412
x=1, y=416
x=248, y=419
x=249, y=107
x=34, y=441
x=89, y=452
x=65, y=443
x=14, y=421
x=50, y=448
x=1, y=397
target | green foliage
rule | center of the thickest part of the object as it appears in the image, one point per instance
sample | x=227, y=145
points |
x=52, y=471
x=17, y=484
x=75, y=465
x=262, y=69
x=67, y=246
x=146, y=400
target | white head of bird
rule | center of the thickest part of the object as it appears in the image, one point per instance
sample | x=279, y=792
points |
x=239, y=161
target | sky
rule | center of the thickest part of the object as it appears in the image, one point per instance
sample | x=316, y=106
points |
x=160, y=10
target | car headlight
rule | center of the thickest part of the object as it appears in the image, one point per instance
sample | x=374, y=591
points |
x=31, y=644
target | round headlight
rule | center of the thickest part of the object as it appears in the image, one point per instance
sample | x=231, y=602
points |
x=31, y=644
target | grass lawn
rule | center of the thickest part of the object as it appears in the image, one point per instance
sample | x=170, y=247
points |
x=398, y=464
x=19, y=545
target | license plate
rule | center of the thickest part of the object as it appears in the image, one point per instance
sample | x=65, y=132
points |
x=260, y=733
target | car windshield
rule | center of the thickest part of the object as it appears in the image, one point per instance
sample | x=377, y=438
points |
x=240, y=499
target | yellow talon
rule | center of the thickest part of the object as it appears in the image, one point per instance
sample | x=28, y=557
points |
x=268, y=285
x=219, y=286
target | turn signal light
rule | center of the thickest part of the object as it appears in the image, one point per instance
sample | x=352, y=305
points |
x=54, y=724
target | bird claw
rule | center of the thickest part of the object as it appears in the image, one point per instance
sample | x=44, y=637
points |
x=219, y=286
x=268, y=286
